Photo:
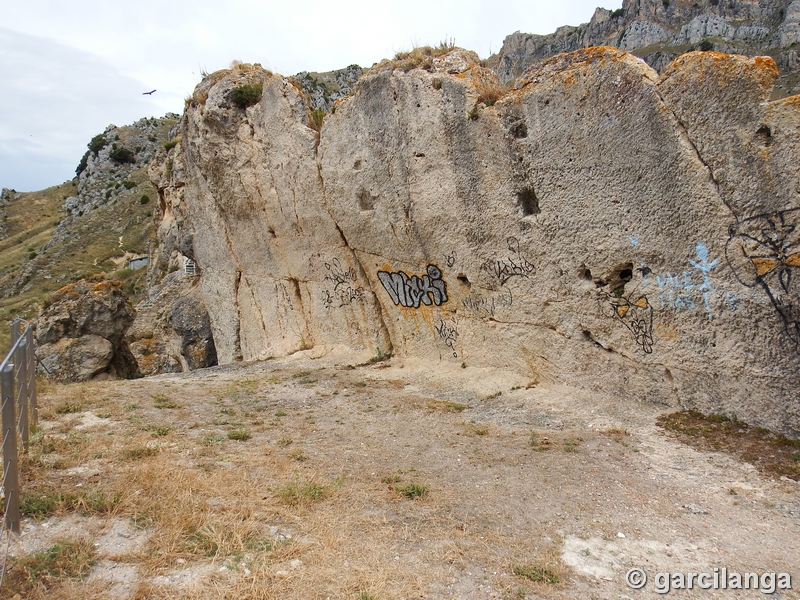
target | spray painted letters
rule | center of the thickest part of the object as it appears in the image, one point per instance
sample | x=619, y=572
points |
x=410, y=291
x=514, y=265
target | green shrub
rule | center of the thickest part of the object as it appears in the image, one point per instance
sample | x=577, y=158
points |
x=317, y=117
x=83, y=164
x=171, y=144
x=122, y=155
x=129, y=185
x=705, y=46
x=246, y=95
x=98, y=143
x=31, y=255
x=144, y=199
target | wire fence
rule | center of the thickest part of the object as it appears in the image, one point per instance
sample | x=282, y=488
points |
x=19, y=415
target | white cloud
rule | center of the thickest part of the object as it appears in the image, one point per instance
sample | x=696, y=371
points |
x=71, y=68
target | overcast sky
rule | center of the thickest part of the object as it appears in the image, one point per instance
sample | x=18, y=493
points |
x=69, y=69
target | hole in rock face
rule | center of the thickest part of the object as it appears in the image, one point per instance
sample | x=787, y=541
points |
x=357, y=165
x=520, y=130
x=667, y=375
x=271, y=232
x=528, y=202
x=463, y=279
x=586, y=274
x=621, y=275
x=764, y=135
x=365, y=200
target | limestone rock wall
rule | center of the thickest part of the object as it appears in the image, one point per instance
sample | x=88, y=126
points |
x=600, y=225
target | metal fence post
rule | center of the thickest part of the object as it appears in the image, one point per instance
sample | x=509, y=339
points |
x=21, y=363
x=33, y=409
x=10, y=464
x=15, y=330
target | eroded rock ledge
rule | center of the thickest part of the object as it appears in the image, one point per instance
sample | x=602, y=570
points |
x=598, y=225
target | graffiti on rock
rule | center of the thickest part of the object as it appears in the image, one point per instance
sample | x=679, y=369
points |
x=448, y=332
x=705, y=267
x=667, y=331
x=345, y=291
x=513, y=265
x=450, y=259
x=765, y=251
x=488, y=305
x=636, y=314
x=679, y=290
x=672, y=290
x=411, y=290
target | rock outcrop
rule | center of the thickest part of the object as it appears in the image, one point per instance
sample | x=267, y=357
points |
x=80, y=333
x=660, y=30
x=172, y=331
x=599, y=225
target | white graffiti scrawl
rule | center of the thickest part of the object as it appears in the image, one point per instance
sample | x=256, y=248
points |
x=411, y=290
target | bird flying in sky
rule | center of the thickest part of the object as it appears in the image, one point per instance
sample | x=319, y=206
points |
x=150, y=93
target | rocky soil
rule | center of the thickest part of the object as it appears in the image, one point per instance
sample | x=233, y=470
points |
x=293, y=478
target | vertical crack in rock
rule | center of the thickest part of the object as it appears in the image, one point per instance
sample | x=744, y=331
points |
x=255, y=304
x=306, y=339
x=362, y=272
x=238, y=341
x=684, y=133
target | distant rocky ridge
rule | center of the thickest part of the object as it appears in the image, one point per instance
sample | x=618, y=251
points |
x=112, y=157
x=323, y=89
x=660, y=30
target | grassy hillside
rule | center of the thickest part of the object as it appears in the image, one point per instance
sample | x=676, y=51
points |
x=47, y=249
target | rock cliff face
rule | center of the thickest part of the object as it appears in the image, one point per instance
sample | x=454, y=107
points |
x=599, y=225
x=660, y=30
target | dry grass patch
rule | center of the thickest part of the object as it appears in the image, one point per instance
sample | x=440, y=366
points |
x=39, y=572
x=771, y=453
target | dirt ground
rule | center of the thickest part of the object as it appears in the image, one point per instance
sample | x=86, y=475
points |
x=311, y=478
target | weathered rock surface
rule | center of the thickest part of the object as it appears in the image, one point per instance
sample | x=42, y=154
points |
x=658, y=31
x=172, y=331
x=599, y=225
x=80, y=334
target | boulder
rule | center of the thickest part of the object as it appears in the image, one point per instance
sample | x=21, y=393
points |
x=80, y=332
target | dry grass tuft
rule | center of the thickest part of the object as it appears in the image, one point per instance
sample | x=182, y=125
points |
x=488, y=86
x=421, y=57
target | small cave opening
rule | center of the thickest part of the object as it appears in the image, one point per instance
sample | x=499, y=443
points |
x=668, y=375
x=463, y=280
x=764, y=135
x=586, y=273
x=528, y=202
x=621, y=275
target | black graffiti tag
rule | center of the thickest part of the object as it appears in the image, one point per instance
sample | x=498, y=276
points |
x=637, y=316
x=514, y=265
x=448, y=332
x=411, y=290
x=765, y=251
